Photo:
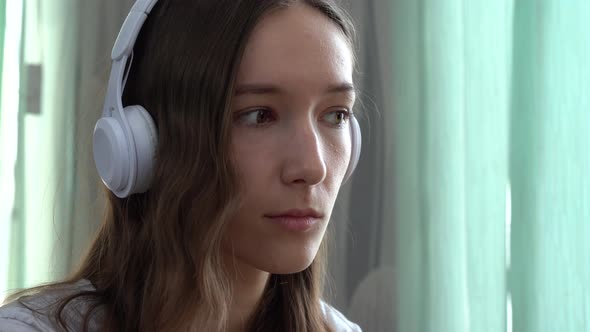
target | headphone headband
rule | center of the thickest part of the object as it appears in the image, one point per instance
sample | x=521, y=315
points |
x=131, y=27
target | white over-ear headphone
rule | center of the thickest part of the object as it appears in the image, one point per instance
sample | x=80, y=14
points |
x=125, y=139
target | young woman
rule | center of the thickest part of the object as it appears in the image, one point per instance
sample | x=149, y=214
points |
x=221, y=184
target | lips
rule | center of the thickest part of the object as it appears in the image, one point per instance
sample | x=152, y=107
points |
x=296, y=214
x=296, y=220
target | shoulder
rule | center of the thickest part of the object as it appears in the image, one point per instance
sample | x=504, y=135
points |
x=36, y=312
x=16, y=317
x=337, y=320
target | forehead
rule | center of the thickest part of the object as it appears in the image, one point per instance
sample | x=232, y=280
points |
x=296, y=47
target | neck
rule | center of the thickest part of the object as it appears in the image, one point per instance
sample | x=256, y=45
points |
x=248, y=285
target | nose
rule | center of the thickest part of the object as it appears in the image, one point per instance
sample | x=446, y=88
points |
x=304, y=158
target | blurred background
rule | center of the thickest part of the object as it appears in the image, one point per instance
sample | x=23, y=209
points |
x=470, y=208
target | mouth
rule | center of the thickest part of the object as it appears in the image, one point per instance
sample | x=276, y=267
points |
x=296, y=219
x=296, y=213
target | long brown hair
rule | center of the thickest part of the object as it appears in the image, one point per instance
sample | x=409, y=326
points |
x=156, y=261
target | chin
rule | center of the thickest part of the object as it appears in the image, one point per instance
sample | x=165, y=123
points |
x=290, y=269
x=284, y=255
x=290, y=264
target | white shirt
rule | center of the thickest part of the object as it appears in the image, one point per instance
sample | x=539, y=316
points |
x=14, y=317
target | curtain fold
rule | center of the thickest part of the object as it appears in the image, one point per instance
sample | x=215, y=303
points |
x=442, y=167
x=10, y=119
x=2, y=37
x=488, y=32
x=7, y=156
x=48, y=142
x=550, y=160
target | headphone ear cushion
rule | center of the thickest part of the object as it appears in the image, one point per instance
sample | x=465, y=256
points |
x=356, y=143
x=145, y=136
x=111, y=153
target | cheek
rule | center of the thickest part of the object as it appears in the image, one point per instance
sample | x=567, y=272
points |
x=251, y=161
x=337, y=154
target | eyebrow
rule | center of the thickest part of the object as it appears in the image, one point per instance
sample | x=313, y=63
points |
x=259, y=89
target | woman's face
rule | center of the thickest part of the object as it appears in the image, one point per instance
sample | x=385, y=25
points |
x=291, y=142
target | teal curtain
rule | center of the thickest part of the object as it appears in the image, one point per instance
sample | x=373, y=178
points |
x=2, y=32
x=4, y=155
x=451, y=90
x=491, y=122
x=9, y=111
x=549, y=277
x=50, y=141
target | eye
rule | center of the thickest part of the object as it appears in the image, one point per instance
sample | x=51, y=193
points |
x=255, y=117
x=337, y=118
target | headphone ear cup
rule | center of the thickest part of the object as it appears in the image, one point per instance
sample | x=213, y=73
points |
x=356, y=143
x=145, y=136
x=111, y=153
